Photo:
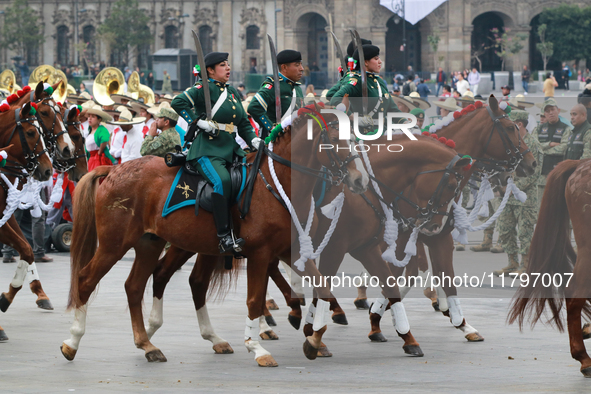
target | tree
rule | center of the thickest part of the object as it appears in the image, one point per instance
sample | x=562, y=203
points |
x=568, y=25
x=434, y=40
x=476, y=53
x=21, y=32
x=125, y=28
x=546, y=48
x=506, y=46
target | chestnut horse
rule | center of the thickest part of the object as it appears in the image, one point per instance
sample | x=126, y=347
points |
x=133, y=194
x=61, y=141
x=563, y=275
x=420, y=166
x=26, y=151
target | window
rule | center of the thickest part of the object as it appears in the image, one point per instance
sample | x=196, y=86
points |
x=253, y=40
x=63, y=46
x=88, y=37
x=171, y=37
x=205, y=38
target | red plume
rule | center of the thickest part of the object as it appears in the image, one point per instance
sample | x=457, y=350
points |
x=426, y=133
x=12, y=98
x=20, y=93
x=59, y=104
x=443, y=140
x=4, y=107
x=434, y=136
x=457, y=114
x=26, y=89
x=478, y=104
x=451, y=144
x=471, y=108
x=34, y=105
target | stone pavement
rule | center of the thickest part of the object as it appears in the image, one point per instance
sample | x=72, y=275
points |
x=107, y=361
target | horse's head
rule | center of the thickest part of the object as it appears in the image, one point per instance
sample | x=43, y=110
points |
x=77, y=165
x=28, y=152
x=505, y=142
x=435, y=173
x=336, y=155
x=48, y=113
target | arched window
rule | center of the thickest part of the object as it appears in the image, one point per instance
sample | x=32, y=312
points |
x=63, y=46
x=253, y=40
x=88, y=33
x=205, y=38
x=171, y=37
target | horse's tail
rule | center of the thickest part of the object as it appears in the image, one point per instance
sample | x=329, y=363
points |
x=550, y=253
x=84, y=233
x=223, y=280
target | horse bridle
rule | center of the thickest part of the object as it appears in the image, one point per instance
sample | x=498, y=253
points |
x=433, y=205
x=63, y=165
x=493, y=166
x=48, y=135
x=32, y=158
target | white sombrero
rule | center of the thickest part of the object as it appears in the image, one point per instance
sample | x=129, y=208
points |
x=125, y=118
x=403, y=100
x=416, y=98
x=91, y=108
x=449, y=104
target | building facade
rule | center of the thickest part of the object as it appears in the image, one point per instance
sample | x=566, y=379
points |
x=240, y=27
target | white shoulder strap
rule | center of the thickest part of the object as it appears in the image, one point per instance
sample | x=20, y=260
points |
x=219, y=103
x=290, y=109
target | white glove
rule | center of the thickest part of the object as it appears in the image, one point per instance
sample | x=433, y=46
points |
x=256, y=141
x=366, y=121
x=206, y=125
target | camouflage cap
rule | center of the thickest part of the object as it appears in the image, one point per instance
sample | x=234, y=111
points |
x=549, y=103
x=518, y=114
x=168, y=113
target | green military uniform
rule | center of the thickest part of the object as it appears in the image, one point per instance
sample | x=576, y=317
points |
x=579, y=143
x=262, y=106
x=332, y=91
x=162, y=144
x=209, y=155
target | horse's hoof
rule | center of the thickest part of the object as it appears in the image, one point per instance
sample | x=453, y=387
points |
x=323, y=351
x=413, y=350
x=377, y=337
x=3, y=336
x=341, y=319
x=474, y=337
x=268, y=335
x=310, y=351
x=270, y=321
x=223, y=348
x=266, y=361
x=272, y=305
x=361, y=303
x=156, y=356
x=586, y=372
x=294, y=321
x=45, y=304
x=68, y=352
x=435, y=306
x=587, y=331
x=4, y=303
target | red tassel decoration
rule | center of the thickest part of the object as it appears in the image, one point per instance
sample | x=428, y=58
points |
x=4, y=107
x=457, y=114
x=478, y=104
x=426, y=133
x=12, y=98
x=471, y=107
x=443, y=140
x=20, y=93
x=34, y=105
x=451, y=144
x=434, y=136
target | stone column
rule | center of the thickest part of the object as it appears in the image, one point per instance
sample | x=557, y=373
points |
x=517, y=61
x=456, y=35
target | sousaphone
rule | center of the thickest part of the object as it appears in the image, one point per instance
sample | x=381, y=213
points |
x=135, y=87
x=43, y=73
x=61, y=92
x=8, y=82
x=107, y=82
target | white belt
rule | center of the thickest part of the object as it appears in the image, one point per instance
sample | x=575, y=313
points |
x=227, y=127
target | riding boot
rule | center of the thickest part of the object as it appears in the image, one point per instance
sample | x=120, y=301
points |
x=524, y=263
x=512, y=267
x=221, y=216
x=486, y=242
x=498, y=248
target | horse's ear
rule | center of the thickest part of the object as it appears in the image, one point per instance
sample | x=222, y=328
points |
x=463, y=162
x=72, y=114
x=39, y=90
x=25, y=109
x=493, y=103
x=55, y=85
x=7, y=148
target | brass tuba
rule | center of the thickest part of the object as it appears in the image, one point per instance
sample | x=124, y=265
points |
x=134, y=87
x=8, y=82
x=43, y=73
x=61, y=92
x=107, y=82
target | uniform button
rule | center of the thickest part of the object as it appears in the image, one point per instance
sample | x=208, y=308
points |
x=234, y=115
x=222, y=89
x=233, y=107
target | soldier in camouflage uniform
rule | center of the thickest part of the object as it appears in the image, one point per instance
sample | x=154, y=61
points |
x=553, y=136
x=579, y=143
x=160, y=144
x=517, y=214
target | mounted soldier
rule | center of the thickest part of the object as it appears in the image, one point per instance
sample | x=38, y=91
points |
x=347, y=66
x=214, y=146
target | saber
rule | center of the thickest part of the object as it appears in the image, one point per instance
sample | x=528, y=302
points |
x=203, y=72
x=357, y=40
x=337, y=44
x=275, y=80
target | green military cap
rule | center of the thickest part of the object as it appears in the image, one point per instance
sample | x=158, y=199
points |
x=518, y=114
x=168, y=113
x=419, y=113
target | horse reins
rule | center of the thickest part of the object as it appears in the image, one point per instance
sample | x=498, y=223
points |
x=64, y=165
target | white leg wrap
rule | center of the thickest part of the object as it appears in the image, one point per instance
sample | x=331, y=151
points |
x=399, y=318
x=442, y=298
x=322, y=314
x=32, y=272
x=455, y=311
x=311, y=313
x=252, y=329
x=207, y=331
x=379, y=306
x=19, y=274
x=156, y=317
x=255, y=346
x=268, y=296
x=264, y=327
x=468, y=329
x=78, y=328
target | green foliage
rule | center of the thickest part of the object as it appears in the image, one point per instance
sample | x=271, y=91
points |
x=434, y=40
x=568, y=25
x=506, y=46
x=546, y=48
x=126, y=27
x=21, y=32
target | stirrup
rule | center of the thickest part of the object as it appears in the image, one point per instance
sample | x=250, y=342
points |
x=230, y=244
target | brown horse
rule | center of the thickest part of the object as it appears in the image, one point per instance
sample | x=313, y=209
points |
x=133, y=194
x=563, y=274
x=27, y=151
x=420, y=164
x=53, y=136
